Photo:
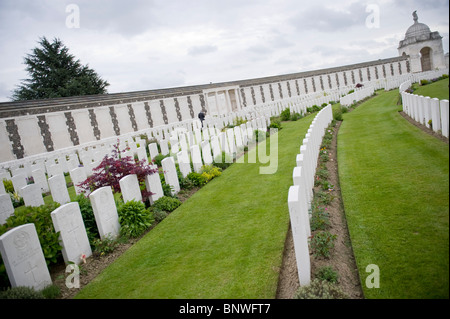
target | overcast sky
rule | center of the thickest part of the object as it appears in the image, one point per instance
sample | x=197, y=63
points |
x=152, y=44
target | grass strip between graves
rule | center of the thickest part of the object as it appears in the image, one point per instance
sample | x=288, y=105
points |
x=395, y=184
x=226, y=241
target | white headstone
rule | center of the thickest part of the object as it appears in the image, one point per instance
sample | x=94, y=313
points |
x=19, y=181
x=142, y=154
x=40, y=179
x=444, y=117
x=164, y=145
x=5, y=175
x=2, y=187
x=300, y=238
x=73, y=162
x=58, y=189
x=129, y=185
x=184, y=163
x=170, y=174
x=153, y=185
x=196, y=158
x=198, y=136
x=32, y=195
x=105, y=212
x=23, y=258
x=174, y=149
x=238, y=138
x=183, y=143
x=215, y=146
x=206, y=153
x=6, y=207
x=153, y=149
x=244, y=134
x=68, y=221
x=231, y=142
x=205, y=133
x=53, y=169
x=78, y=175
x=435, y=114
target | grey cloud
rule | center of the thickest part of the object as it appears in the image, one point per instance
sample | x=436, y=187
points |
x=319, y=18
x=202, y=49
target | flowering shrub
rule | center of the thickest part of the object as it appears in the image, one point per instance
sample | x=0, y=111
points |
x=210, y=171
x=113, y=168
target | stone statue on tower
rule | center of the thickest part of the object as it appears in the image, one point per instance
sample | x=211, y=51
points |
x=415, y=17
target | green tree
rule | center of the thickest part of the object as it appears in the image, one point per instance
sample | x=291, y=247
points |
x=54, y=72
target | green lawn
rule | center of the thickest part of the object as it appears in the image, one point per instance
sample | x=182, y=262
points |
x=226, y=241
x=395, y=185
x=437, y=89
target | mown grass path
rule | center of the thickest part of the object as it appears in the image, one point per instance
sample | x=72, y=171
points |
x=395, y=185
x=226, y=241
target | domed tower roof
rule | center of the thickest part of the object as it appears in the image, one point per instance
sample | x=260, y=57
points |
x=417, y=30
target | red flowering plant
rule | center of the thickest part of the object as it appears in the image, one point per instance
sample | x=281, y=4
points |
x=115, y=166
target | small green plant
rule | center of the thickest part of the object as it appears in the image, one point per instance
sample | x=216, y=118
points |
x=322, y=173
x=275, y=122
x=185, y=183
x=296, y=116
x=327, y=273
x=320, y=289
x=166, y=203
x=285, y=114
x=324, y=157
x=320, y=218
x=21, y=293
x=197, y=179
x=106, y=245
x=324, y=198
x=134, y=218
x=9, y=188
x=337, y=114
x=424, y=82
x=321, y=243
x=51, y=292
x=88, y=217
x=167, y=188
x=327, y=186
x=159, y=215
x=158, y=158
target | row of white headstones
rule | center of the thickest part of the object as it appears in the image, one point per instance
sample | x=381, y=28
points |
x=431, y=112
x=184, y=149
x=301, y=194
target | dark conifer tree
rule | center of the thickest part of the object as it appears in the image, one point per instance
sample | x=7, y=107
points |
x=54, y=72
